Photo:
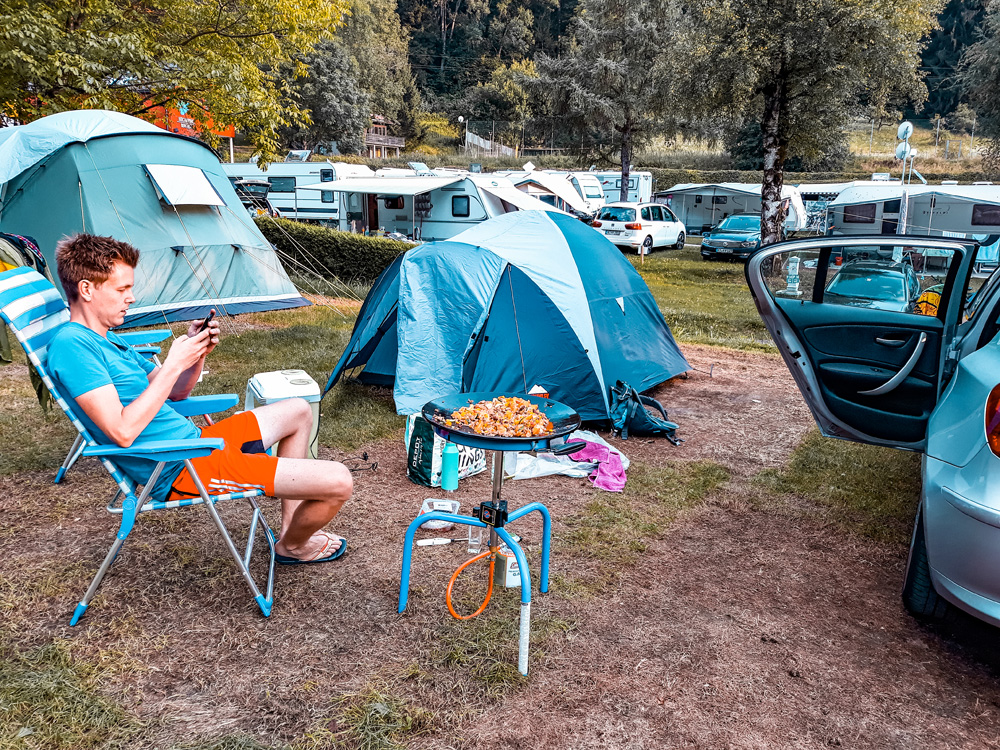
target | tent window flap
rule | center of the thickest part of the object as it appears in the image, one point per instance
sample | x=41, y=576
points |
x=180, y=185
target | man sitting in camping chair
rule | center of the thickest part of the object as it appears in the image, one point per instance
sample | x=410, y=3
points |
x=121, y=398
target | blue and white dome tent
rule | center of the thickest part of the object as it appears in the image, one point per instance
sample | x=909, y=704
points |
x=112, y=174
x=528, y=298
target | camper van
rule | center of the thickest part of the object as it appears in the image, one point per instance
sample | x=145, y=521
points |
x=640, y=186
x=287, y=180
x=587, y=186
x=551, y=187
x=425, y=208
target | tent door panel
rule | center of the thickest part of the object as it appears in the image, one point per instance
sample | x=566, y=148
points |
x=527, y=341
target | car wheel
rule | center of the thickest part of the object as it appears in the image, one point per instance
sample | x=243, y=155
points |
x=919, y=596
x=647, y=246
x=680, y=242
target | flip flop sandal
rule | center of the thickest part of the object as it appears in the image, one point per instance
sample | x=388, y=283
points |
x=338, y=553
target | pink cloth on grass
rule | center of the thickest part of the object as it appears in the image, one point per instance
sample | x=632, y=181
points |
x=609, y=474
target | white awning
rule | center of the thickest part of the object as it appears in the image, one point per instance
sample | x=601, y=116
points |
x=873, y=192
x=385, y=185
x=180, y=185
x=515, y=197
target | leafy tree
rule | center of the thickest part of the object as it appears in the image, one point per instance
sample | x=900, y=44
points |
x=798, y=68
x=338, y=109
x=614, y=76
x=958, y=26
x=981, y=78
x=133, y=55
x=505, y=96
x=456, y=44
x=746, y=148
x=962, y=120
x=379, y=45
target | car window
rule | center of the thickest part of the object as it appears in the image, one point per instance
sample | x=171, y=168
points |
x=741, y=223
x=906, y=279
x=668, y=215
x=617, y=213
x=655, y=211
x=647, y=213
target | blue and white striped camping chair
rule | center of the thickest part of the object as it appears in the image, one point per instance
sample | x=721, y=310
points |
x=33, y=309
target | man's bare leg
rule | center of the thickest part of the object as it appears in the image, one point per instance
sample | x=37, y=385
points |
x=311, y=491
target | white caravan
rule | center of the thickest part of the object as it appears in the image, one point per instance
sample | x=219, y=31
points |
x=962, y=211
x=640, y=186
x=588, y=187
x=551, y=187
x=425, y=208
x=287, y=180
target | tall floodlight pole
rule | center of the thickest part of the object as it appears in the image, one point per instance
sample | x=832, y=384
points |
x=465, y=142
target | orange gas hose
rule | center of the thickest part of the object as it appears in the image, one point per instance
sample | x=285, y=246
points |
x=489, y=590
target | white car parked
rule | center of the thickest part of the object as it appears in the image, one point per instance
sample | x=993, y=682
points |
x=642, y=226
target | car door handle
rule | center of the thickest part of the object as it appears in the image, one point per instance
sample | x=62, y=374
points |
x=900, y=376
x=894, y=343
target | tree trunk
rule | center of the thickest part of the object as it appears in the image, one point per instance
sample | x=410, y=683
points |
x=626, y=159
x=772, y=210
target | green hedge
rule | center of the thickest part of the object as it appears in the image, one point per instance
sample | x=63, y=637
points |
x=348, y=256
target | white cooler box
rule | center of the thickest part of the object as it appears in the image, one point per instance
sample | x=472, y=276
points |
x=270, y=387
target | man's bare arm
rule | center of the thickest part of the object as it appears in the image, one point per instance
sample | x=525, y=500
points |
x=123, y=424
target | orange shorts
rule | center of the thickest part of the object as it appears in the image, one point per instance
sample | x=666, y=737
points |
x=242, y=465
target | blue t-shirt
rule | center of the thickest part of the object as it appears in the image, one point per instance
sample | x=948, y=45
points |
x=81, y=360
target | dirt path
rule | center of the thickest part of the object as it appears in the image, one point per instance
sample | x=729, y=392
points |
x=736, y=629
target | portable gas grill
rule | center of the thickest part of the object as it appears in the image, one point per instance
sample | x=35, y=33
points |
x=493, y=514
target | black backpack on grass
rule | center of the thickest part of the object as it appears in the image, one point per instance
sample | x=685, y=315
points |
x=629, y=415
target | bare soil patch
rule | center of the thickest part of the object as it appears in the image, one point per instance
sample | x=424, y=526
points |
x=737, y=627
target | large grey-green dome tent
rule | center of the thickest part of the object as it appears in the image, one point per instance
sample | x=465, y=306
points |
x=111, y=174
x=527, y=298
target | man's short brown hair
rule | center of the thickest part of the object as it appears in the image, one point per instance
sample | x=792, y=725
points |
x=87, y=256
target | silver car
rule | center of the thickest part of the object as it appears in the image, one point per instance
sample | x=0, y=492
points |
x=925, y=378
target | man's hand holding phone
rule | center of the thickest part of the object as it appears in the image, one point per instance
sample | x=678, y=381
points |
x=209, y=324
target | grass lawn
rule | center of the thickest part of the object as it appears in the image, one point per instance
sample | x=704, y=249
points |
x=79, y=694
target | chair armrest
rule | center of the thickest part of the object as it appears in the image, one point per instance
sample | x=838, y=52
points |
x=194, y=405
x=138, y=338
x=160, y=450
x=147, y=350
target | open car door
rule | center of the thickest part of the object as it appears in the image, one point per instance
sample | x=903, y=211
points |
x=866, y=326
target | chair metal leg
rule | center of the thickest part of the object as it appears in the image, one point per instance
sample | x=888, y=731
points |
x=264, y=602
x=71, y=458
x=95, y=584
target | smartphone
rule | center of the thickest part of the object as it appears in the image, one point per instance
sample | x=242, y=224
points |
x=208, y=320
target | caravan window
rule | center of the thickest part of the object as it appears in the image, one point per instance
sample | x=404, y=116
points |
x=395, y=202
x=326, y=196
x=985, y=215
x=460, y=205
x=863, y=214
x=282, y=184
x=326, y=175
x=720, y=200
